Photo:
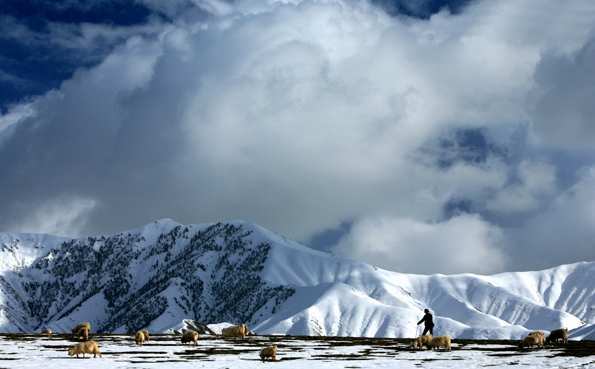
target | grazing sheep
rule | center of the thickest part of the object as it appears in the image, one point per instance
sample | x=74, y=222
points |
x=235, y=331
x=269, y=352
x=439, y=341
x=83, y=334
x=89, y=347
x=558, y=334
x=81, y=325
x=139, y=338
x=531, y=340
x=421, y=341
x=146, y=334
x=48, y=332
x=536, y=333
x=190, y=337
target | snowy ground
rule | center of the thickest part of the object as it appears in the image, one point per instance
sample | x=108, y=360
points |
x=166, y=351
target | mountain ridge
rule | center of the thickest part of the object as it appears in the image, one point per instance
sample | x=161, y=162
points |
x=157, y=275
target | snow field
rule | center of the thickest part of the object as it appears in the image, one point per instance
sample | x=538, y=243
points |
x=166, y=351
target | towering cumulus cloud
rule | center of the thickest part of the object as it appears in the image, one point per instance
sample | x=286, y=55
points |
x=448, y=143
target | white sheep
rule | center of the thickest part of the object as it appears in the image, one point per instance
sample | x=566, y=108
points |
x=558, y=334
x=531, y=340
x=421, y=341
x=438, y=342
x=139, y=337
x=83, y=334
x=235, y=331
x=269, y=352
x=81, y=325
x=89, y=347
x=146, y=334
x=190, y=337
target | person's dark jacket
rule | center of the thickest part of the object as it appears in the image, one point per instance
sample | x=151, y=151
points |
x=427, y=320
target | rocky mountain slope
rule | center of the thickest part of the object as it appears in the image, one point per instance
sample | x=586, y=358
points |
x=156, y=276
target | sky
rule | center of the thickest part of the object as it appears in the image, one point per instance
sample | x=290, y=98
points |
x=420, y=136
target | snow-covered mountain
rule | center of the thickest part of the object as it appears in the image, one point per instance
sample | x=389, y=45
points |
x=156, y=276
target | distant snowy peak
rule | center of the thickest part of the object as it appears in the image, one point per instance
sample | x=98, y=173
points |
x=566, y=287
x=19, y=251
x=163, y=275
x=464, y=305
x=154, y=276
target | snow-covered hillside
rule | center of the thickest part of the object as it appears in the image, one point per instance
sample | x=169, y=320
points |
x=156, y=276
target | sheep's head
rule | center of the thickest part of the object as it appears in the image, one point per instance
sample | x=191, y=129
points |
x=71, y=351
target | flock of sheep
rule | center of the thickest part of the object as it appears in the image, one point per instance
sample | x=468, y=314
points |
x=532, y=339
x=82, y=330
x=536, y=338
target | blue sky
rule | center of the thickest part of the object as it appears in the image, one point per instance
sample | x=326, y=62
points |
x=418, y=136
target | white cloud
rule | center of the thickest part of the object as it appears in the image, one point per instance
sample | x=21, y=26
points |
x=14, y=114
x=536, y=182
x=564, y=232
x=564, y=114
x=301, y=115
x=463, y=243
x=60, y=217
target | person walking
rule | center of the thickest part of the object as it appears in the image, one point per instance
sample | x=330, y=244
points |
x=428, y=323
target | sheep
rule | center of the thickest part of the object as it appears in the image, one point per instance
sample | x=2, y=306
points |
x=146, y=334
x=536, y=333
x=558, y=334
x=235, y=331
x=531, y=340
x=83, y=334
x=81, y=325
x=269, y=352
x=421, y=341
x=439, y=341
x=89, y=347
x=48, y=332
x=190, y=337
x=139, y=338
